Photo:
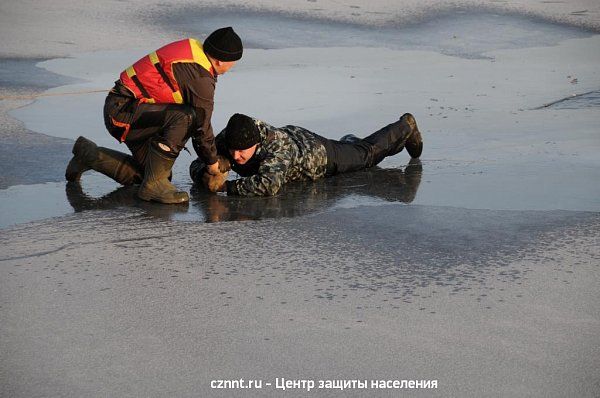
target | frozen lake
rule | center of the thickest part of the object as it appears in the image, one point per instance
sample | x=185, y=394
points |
x=476, y=267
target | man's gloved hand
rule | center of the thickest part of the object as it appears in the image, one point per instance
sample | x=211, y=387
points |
x=224, y=164
x=213, y=168
x=215, y=183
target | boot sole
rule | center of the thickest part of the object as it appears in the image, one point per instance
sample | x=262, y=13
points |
x=77, y=166
x=414, y=143
x=74, y=170
x=414, y=150
x=151, y=198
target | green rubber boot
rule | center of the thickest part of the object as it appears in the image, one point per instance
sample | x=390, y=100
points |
x=114, y=164
x=156, y=185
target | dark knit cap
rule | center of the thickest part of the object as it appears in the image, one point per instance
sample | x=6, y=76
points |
x=224, y=44
x=241, y=132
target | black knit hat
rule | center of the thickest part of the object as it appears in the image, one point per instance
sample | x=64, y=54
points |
x=241, y=132
x=224, y=44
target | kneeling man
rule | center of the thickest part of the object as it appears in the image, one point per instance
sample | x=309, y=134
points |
x=267, y=157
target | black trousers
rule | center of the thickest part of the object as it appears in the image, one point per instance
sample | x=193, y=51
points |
x=353, y=153
x=139, y=124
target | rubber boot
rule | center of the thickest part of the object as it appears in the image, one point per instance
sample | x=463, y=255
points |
x=387, y=141
x=414, y=143
x=114, y=164
x=156, y=185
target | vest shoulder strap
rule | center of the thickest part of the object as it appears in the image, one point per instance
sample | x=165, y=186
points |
x=199, y=56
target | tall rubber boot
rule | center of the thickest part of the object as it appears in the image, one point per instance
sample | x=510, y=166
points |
x=389, y=140
x=414, y=143
x=114, y=164
x=156, y=185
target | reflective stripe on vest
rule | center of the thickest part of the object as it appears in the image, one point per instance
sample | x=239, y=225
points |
x=151, y=79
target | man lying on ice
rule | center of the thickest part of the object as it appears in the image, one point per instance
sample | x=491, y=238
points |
x=267, y=157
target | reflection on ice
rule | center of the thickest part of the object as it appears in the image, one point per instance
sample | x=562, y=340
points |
x=296, y=199
x=122, y=197
x=394, y=185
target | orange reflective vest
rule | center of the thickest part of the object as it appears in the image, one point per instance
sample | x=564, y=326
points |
x=151, y=78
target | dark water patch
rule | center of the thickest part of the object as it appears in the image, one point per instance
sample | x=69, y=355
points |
x=455, y=32
x=30, y=158
x=23, y=72
x=27, y=157
x=302, y=198
x=295, y=199
x=28, y=203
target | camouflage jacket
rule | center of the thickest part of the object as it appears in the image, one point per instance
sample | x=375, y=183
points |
x=284, y=154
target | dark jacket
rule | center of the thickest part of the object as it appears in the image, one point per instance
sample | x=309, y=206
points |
x=197, y=87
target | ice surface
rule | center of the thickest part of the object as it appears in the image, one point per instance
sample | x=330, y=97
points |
x=487, y=144
x=480, y=271
x=458, y=32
